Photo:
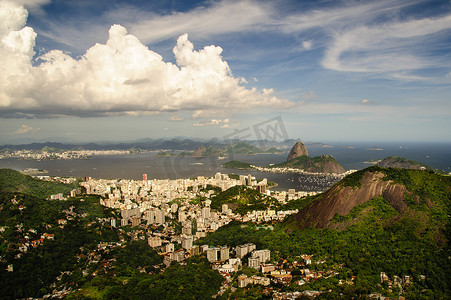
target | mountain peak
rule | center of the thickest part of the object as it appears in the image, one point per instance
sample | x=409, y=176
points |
x=297, y=150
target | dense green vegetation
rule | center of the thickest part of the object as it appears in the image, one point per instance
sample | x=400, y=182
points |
x=300, y=161
x=353, y=180
x=378, y=207
x=38, y=267
x=235, y=164
x=297, y=203
x=136, y=255
x=14, y=181
x=195, y=280
x=242, y=199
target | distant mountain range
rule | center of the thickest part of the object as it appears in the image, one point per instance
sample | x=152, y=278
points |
x=186, y=144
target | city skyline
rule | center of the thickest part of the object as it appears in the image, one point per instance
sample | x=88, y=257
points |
x=124, y=70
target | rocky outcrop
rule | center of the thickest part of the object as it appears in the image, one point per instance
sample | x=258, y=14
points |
x=297, y=150
x=340, y=200
x=199, y=152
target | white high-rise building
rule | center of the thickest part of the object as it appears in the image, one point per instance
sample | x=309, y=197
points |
x=170, y=247
x=254, y=262
x=242, y=250
x=159, y=217
x=182, y=216
x=206, y=212
x=149, y=216
x=242, y=180
x=263, y=255
x=224, y=253
x=224, y=207
x=212, y=254
x=154, y=241
x=218, y=254
x=187, y=243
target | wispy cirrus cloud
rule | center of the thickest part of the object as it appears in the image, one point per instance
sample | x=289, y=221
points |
x=371, y=37
x=368, y=37
x=389, y=49
x=222, y=17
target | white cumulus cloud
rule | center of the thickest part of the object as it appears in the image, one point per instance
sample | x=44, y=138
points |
x=122, y=76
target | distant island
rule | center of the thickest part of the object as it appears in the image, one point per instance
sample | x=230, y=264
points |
x=404, y=163
x=166, y=154
x=235, y=164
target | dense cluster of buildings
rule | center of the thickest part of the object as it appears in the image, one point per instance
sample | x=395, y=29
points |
x=59, y=154
x=152, y=201
x=155, y=204
x=159, y=204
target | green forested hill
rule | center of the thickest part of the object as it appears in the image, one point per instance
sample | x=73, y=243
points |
x=235, y=164
x=404, y=163
x=39, y=248
x=241, y=199
x=14, y=181
x=321, y=164
x=243, y=148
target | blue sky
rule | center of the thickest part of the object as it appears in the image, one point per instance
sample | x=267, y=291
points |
x=123, y=70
